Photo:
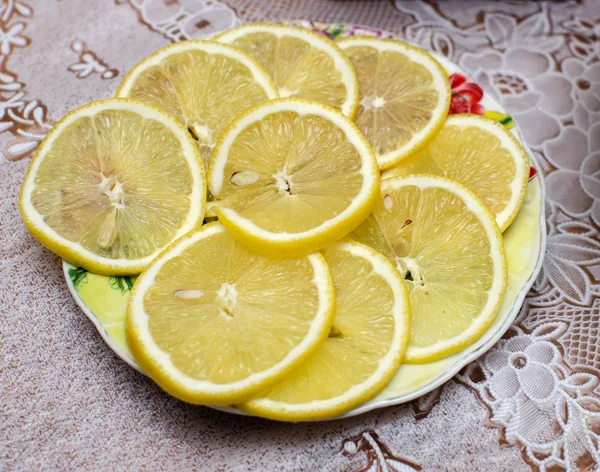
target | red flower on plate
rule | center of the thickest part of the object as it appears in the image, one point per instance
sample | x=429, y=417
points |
x=532, y=173
x=465, y=96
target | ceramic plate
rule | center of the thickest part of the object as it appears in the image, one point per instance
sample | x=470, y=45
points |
x=104, y=299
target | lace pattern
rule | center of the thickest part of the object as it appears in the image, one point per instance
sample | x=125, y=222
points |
x=531, y=403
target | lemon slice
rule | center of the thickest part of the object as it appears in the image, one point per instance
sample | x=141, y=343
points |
x=204, y=84
x=364, y=348
x=447, y=246
x=404, y=95
x=302, y=63
x=291, y=176
x=212, y=322
x=112, y=184
x=481, y=154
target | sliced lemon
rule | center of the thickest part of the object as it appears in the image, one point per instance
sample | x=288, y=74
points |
x=447, y=246
x=212, y=322
x=404, y=95
x=481, y=154
x=302, y=63
x=112, y=184
x=291, y=176
x=364, y=348
x=204, y=84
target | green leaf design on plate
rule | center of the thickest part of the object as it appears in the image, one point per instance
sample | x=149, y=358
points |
x=506, y=120
x=503, y=118
x=78, y=277
x=124, y=283
x=335, y=31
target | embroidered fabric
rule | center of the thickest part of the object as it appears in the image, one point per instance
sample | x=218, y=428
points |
x=532, y=402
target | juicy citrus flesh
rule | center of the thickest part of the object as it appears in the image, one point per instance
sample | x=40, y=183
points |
x=202, y=83
x=404, y=95
x=480, y=154
x=449, y=250
x=364, y=347
x=211, y=321
x=112, y=185
x=292, y=176
x=301, y=63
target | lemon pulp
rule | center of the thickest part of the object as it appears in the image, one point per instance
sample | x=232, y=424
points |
x=292, y=175
x=301, y=63
x=404, y=95
x=211, y=321
x=364, y=347
x=205, y=85
x=449, y=251
x=114, y=183
x=480, y=154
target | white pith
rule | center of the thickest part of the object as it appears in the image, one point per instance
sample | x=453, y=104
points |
x=400, y=311
x=314, y=40
x=302, y=107
x=440, y=83
x=496, y=291
x=147, y=112
x=139, y=322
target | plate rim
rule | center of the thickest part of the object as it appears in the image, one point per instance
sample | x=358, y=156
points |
x=452, y=370
x=94, y=319
x=449, y=372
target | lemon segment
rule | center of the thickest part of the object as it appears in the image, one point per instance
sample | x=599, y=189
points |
x=212, y=322
x=302, y=63
x=204, y=84
x=404, y=95
x=364, y=348
x=112, y=184
x=482, y=155
x=291, y=176
x=445, y=243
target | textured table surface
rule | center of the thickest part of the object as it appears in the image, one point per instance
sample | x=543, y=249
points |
x=68, y=403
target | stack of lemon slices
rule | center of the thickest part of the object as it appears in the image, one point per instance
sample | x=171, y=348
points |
x=358, y=227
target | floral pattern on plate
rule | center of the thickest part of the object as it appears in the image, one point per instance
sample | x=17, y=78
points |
x=525, y=235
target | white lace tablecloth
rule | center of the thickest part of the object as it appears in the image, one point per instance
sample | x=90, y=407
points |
x=533, y=402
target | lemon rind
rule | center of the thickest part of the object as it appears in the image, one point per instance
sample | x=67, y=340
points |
x=508, y=142
x=388, y=364
x=341, y=62
x=157, y=364
x=439, y=350
x=441, y=84
x=75, y=253
x=287, y=244
x=259, y=74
